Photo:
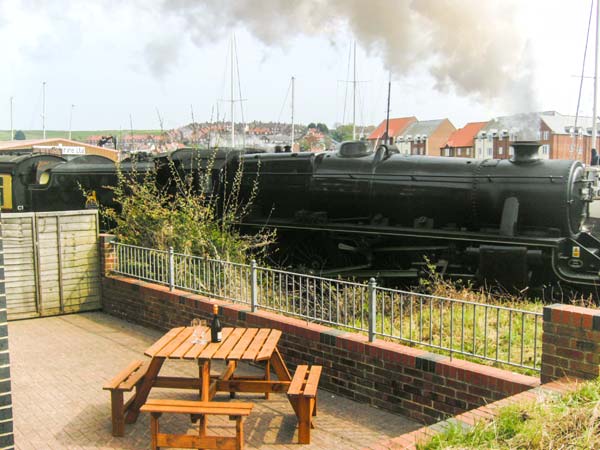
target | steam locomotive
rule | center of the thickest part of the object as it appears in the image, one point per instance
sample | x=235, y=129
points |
x=366, y=212
x=515, y=223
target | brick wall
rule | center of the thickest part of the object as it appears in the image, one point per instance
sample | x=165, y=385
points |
x=570, y=342
x=107, y=253
x=402, y=379
x=6, y=413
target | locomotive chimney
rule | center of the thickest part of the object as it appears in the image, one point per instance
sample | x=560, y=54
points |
x=525, y=152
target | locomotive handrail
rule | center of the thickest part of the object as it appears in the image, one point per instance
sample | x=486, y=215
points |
x=370, y=175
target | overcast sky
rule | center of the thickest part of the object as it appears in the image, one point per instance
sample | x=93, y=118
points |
x=466, y=60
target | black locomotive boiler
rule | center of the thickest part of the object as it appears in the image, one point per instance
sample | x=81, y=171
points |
x=517, y=223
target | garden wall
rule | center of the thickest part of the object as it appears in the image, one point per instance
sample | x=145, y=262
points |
x=416, y=383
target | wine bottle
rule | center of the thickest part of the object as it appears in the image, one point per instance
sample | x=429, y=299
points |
x=215, y=326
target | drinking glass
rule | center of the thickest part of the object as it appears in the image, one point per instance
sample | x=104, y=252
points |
x=200, y=330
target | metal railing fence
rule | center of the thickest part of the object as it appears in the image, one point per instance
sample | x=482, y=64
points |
x=475, y=330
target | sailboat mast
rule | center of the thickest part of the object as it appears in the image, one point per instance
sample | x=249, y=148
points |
x=232, y=99
x=44, y=110
x=71, y=121
x=354, y=97
x=595, y=113
x=387, y=120
x=12, y=134
x=131, y=146
x=293, y=136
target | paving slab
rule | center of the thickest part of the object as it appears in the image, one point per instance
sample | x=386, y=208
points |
x=59, y=365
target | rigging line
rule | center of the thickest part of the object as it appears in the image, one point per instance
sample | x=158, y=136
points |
x=361, y=105
x=32, y=119
x=587, y=38
x=284, y=101
x=346, y=91
x=224, y=78
x=237, y=68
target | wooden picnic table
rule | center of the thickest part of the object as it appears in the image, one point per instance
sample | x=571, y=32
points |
x=237, y=344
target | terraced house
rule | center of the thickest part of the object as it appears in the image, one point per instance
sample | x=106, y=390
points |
x=461, y=142
x=560, y=136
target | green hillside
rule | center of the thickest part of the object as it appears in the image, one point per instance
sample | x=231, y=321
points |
x=76, y=135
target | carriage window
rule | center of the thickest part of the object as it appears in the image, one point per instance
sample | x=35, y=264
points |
x=44, y=177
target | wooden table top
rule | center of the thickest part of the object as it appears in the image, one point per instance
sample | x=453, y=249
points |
x=245, y=344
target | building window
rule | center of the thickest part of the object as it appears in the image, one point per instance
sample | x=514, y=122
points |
x=511, y=150
x=580, y=150
x=468, y=152
x=500, y=150
x=447, y=152
x=458, y=150
x=546, y=135
x=572, y=148
x=545, y=149
x=489, y=152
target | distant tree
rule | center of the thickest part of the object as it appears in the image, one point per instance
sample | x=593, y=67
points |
x=342, y=133
x=322, y=128
x=312, y=125
x=308, y=142
x=19, y=135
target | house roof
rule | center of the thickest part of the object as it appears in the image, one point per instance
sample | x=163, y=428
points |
x=527, y=125
x=560, y=124
x=422, y=127
x=397, y=126
x=464, y=136
x=58, y=142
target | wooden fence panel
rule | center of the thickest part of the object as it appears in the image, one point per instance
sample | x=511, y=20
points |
x=20, y=265
x=55, y=263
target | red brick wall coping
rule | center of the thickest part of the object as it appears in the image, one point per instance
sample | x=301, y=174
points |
x=422, y=385
x=570, y=346
x=409, y=441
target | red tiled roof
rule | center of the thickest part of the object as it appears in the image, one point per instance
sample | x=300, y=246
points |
x=464, y=136
x=397, y=126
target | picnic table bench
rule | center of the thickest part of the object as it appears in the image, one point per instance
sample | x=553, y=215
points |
x=125, y=381
x=237, y=345
x=235, y=410
x=302, y=394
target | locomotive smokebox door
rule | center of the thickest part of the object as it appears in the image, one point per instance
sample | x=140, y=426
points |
x=504, y=266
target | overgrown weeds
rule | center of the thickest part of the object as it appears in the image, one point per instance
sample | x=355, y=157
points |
x=194, y=213
x=552, y=422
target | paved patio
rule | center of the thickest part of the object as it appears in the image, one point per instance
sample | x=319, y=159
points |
x=59, y=365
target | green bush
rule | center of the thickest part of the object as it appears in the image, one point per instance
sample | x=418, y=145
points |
x=183, y=217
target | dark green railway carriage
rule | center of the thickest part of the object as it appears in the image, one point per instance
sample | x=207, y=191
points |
x=19, y=174
x=84, y=182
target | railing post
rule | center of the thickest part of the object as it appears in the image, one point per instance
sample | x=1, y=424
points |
x=254, y=286
x=171, y=269
x=372, y=308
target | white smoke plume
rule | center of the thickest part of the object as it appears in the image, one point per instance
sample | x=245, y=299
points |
x=471, y=46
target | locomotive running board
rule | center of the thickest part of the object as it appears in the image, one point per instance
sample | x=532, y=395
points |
x=414, y=232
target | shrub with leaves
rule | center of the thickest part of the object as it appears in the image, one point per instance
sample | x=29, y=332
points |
x=186, y=215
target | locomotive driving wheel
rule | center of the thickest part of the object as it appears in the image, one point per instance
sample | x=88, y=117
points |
x=313, y=253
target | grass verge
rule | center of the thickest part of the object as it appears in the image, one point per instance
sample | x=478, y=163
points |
x=553, y=422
